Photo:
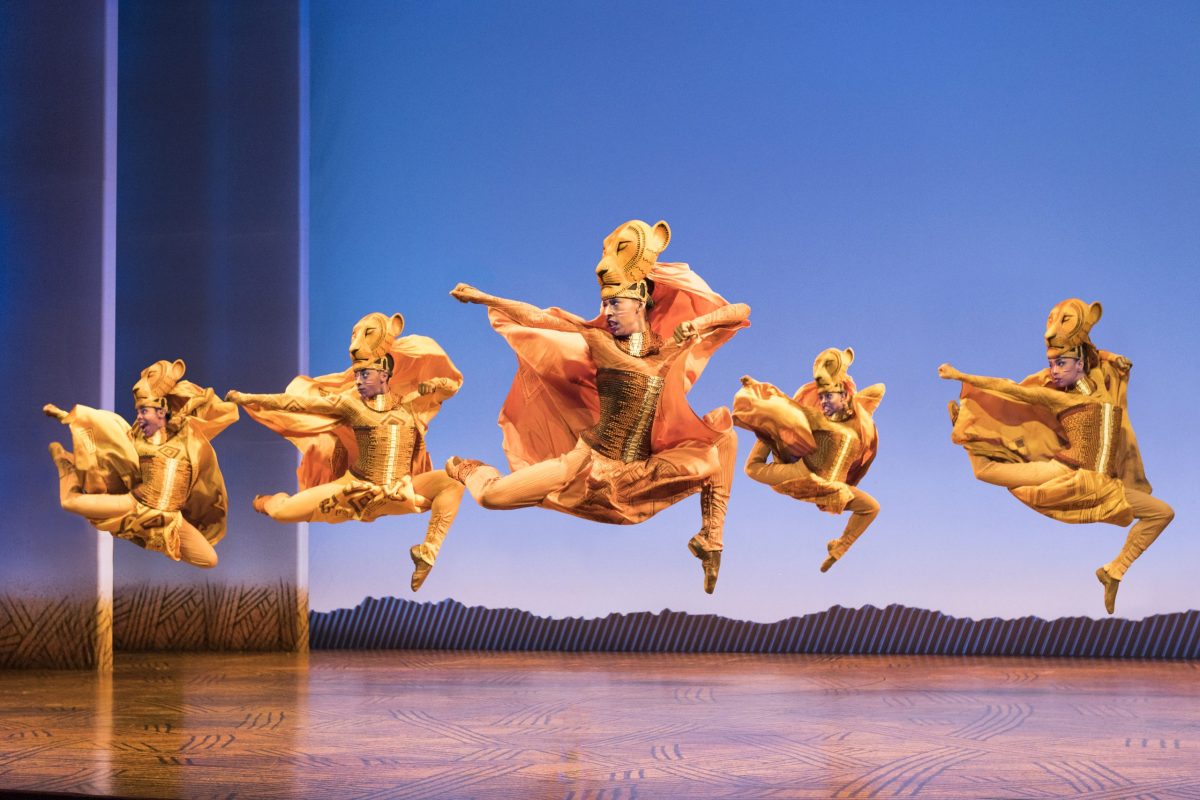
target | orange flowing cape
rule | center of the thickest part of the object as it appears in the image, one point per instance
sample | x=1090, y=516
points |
x=553, y=398
x=787, y=430
x=1006, y=430
x=327, y=445
x=107, y=462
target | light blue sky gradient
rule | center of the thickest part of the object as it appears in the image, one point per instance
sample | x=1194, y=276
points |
x=920, y=181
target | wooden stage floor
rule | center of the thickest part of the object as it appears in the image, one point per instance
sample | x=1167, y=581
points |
x=603, y=726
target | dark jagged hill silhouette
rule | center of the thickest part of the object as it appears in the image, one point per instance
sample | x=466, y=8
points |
x=394, y=623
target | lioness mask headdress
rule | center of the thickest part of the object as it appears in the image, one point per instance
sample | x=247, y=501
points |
x=371, y=340
x=829, y=369
x=156, y=383
x=1068, y=329
x=630, y=253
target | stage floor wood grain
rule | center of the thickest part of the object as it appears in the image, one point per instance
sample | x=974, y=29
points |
x=603, y=726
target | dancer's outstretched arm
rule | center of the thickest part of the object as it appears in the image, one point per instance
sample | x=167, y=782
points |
x=1052, y=399
x=441, y=387
x=723, y=317
x=523, y=313
x=438, y=389
x=286, y=402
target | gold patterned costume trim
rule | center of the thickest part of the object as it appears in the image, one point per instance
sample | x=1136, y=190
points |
x=148, y=528
x=835, y=452
x=640, y=344
x=1081, y=496
x=384, y=452
x=628, y=403
x=165, y=482
x=1093, y=433
x=355, y=499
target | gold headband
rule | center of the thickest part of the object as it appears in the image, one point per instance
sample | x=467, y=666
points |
x=384, y=363
x=1076, y=352
x=636, y=291
x=148, y=401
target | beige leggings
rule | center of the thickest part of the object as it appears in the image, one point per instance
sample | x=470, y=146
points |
x=439, y=490
x=193, y=547
x=530, y=485
x=435, y=491
x=527, y=486
x=863, y=507
x=1152, y=514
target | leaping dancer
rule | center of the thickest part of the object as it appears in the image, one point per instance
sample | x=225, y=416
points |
x=822, y=441
x=362, y=435
x=597, y=422
x=1061, y=441
x=156, y=484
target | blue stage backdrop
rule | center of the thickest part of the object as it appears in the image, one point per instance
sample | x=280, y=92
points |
x=55, y=578
x=208, y=271
x=921, y=182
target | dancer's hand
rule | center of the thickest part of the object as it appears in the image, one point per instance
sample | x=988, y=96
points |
x=233, y=396
x=466, y=293
x=51, y=410
x=686, y=330
x=748, y=381
x=947, y=372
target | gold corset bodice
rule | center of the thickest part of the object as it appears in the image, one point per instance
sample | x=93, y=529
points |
x=1093, y=437
x=385, y=452
x=836, y=450
x=628, y=402
x=166, y=475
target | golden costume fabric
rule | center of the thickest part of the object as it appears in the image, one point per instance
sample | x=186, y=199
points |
x=107, y=461
x=817, y=458
x=320, y=416
x=1006, y=430
x=554, y=402
x=791, y=427
x=1061, y=442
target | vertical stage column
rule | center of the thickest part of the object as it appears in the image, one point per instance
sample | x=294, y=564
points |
x=55, y=575
x=209, y=258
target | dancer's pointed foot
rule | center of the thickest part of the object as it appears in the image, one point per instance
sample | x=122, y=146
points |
x=710, y=562
x=953, y=408
x=1111, y=585
x=834, y=554
x=421, y=567
x=51, y=410
x=460, y=469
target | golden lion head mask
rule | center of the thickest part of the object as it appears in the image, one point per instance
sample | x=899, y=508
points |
x=371, y=339
x=630, y=253
x=156, y=383
x=829, y=369
x=1069, y=326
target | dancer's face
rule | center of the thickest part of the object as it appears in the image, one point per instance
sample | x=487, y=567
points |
x=624, y=316
x=151, y=420
x=370, y=382
x=833, y=403
x=1065, y=372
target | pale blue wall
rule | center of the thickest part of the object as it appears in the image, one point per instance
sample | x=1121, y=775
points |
x=51, y=236
x=920, y=181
